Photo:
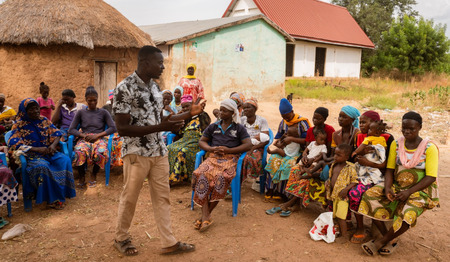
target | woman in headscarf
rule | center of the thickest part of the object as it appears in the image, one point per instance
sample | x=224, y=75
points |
x=224, y=141
x=182, y=152
x=239, y=98
x=7, y=115
x=409, y=188
x=49, y=173
x=255, y=125
x=176, y=101
x=349, y=122
x=191, y=84
x=278, y=166
x=355, y=194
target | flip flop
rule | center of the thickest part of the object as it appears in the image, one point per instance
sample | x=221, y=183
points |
x=3, y=223
x=205, y=225
x=197, y=224
x=180, y=248
x=369, y=247
x=285, y=213
x=358, y=238
x=125, y=247
x=92, y=184
x=273, y=210
x=388, y=249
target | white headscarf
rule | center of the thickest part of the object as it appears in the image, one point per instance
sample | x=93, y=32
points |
x=231, y=105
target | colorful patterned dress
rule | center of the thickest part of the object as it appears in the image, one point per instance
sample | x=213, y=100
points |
x=182, y=153
x=49, y=177
x=306, y=189
x=375, y=204
x=192, y=87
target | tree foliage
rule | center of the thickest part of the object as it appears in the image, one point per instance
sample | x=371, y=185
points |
x=414, y=46
x=376, y=16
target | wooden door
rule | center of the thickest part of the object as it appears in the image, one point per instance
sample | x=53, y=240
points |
x=105, y=78
x=319, y=69
x=290, y=59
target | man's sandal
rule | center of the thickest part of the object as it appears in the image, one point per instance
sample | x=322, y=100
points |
x=178, y=248
x=125, y=247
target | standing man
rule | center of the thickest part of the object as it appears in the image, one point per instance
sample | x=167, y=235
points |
x=137, y=108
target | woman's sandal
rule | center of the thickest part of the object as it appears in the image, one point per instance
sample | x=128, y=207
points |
x=388, y=249
x=125, y=247
x=273, y=210
x=285, y=213
x=358, y=238
x=58, y=205
x=369, y=247
x=197, y=224
x=178, y=248
x=205, y=225
x=92, y=184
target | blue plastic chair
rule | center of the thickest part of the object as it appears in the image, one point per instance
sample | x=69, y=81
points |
x=71, y=154
x=3, y=159
x=262, y=179
x=170, y=138
x=235, y=183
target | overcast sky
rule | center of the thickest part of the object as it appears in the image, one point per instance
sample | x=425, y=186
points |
x=145, y=12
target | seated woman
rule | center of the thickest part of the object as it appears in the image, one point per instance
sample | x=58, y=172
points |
x=176, y=101
x=355, y=194
x=239, y=98
x=408, y=190
x=182, y=152
x=49, y=173
x=65, y=111
x=224, y=141
x=349, y=123
x=255, y=125
x=92, y=147
x=277, y=165
x=191, y=84
x=7, y=115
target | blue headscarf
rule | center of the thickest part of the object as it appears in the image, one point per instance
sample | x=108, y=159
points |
x=285, y=106
x=27, y=132
x=353, y=113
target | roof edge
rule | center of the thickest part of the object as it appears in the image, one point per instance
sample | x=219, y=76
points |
x=333, y=43
x=231, y=5
x=288, y=37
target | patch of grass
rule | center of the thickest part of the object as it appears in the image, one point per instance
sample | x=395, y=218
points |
x=324, y=90
x=381, y=102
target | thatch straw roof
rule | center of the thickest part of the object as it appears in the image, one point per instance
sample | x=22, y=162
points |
x=86, y=23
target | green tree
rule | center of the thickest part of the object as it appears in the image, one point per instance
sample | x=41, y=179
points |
x=414, y=46
x=376, y=16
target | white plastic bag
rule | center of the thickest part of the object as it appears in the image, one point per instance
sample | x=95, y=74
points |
x=323, y=228
x=17, y=230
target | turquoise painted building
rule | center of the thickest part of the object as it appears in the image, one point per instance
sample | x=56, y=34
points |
x=245, y=54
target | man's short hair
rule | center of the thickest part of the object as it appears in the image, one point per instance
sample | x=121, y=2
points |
x=147, y=50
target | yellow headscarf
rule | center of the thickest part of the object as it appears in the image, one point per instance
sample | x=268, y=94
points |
x=195, y=69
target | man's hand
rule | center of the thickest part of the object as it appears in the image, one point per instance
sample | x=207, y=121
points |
x=197, y=107
x=172, y=126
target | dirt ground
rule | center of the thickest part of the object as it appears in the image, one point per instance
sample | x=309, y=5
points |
x=84, y=230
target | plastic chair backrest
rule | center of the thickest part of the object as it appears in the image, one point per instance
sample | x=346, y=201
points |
x=8, y=136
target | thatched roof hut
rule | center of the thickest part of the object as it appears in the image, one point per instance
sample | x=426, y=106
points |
x=84, y=23
x=66, y=44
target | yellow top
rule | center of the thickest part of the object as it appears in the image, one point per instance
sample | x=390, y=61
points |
x=7, y=113
x=429, y=160
x=375, y=140
x=347, y=176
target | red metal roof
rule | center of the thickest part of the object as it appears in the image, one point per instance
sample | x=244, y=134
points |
x=313, y=20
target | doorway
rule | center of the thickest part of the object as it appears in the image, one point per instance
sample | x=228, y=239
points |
x=319, y=68
x=290, y=60
x=105, y=78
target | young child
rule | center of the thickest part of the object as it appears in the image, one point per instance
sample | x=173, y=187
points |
x=314, y=152
x=167, y=99
x=283, y=149
x=342, y=178
x=216, y=113
x=374, y=149
x=45, y=102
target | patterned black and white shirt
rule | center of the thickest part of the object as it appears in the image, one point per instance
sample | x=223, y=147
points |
x=144, y=104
